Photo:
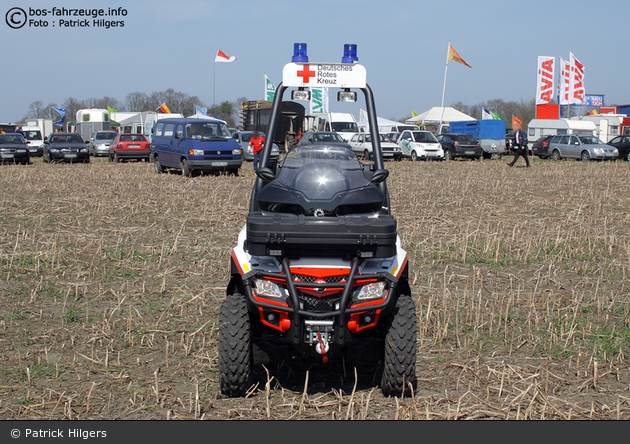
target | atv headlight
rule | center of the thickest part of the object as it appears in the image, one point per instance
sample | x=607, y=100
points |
x=266, y=288
x=370, y=291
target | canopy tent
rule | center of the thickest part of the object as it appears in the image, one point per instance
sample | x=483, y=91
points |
x=438, y=115
x=364, y=125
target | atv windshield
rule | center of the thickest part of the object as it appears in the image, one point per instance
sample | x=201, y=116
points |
x=321, y=180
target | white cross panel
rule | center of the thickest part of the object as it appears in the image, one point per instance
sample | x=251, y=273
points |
x=327, y=75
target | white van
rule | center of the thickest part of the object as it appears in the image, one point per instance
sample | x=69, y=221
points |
x=537, y=128
x=34, y=139
x=343, y=124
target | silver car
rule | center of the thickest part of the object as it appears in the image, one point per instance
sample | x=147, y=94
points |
x=243, y=137
x=583, y=147
x=100, y=141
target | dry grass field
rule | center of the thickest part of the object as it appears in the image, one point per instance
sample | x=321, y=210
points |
x=111, y=277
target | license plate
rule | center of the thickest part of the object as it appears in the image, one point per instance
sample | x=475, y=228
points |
x=470, y=152
x=388, y=154
x=133, y=146
x=219, y=164
x=70, y=156
x=33, y=150
x=7, y=156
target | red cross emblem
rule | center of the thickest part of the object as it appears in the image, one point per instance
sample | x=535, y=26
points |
x=306, y=74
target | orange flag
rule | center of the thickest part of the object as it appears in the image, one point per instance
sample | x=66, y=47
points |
x=453, y=56
x=516, y=121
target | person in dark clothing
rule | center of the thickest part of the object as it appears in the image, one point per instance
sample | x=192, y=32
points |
x=520, y=145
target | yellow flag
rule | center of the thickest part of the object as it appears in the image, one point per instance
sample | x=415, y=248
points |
x=453, y=56
x=413, y=113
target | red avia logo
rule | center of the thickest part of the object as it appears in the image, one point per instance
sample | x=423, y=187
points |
x=546, y=77
x=306, y=74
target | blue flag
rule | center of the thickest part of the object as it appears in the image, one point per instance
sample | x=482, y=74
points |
x=201, y=110
x=63, y=116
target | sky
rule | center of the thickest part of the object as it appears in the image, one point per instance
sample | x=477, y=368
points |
x=402, y=44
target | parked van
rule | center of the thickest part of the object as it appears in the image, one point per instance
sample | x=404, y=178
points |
x=537, y=128
x=343, y=124
x=194, y=144
x=34, y=139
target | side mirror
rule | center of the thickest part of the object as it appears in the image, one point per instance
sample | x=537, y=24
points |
x=235, y=136
x=379, y=176
x=87, y=142
x=265, y=174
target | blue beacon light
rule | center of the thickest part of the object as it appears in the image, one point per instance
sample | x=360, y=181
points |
x=299, y=53
x=349, y=54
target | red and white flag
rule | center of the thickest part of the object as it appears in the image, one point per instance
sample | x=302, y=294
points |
x=221, y=57
x=563, y=87
x=544, y=81
x=576, y=81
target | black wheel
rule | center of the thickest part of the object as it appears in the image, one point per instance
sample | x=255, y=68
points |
x=448, y=155
x=235, y=347
x=185, y=168
x=585, y=156
x=366, y=155
x=116, y=158
x=555, y=155
x=157, y=166
x=628, y=156
x=414, y=156
x=486, y=155
x=399, y=364
x=289, y=142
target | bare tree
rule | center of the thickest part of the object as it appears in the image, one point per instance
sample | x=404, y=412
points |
x=137, y=101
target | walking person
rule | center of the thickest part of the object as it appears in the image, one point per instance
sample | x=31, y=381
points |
x=257, y=141
x=520, y=145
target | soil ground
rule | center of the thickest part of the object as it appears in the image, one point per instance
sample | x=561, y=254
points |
x=111, y=278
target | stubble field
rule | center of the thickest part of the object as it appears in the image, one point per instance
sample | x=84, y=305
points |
x=111, y=278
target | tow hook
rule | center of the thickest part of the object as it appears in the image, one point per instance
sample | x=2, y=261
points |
x=322, y=347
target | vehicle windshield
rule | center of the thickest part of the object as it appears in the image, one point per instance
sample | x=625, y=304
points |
x=105, y=136
x=344, y=127
x=590, y=140
x=12, y=138
x=327, y=137
x=424, y=137
x=466, y=138
x=132, y=138
x=32, y=135
x=66, y=138
x=320, y=179
x=382, y=138
x=207, y=130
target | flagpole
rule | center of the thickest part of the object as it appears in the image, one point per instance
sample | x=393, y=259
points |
x=214, y=75
x=444, y=87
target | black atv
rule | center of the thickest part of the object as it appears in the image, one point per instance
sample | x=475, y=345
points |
x=318, y=266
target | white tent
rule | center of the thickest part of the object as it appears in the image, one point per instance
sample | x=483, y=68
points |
x=364, y=125
x=437, y=115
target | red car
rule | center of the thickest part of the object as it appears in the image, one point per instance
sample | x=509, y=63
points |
x=129, y=146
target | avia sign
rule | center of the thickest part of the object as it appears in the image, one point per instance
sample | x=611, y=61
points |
x=335, y=75
x=544, y=84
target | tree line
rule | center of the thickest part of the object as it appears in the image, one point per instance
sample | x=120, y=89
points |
x=176, y=101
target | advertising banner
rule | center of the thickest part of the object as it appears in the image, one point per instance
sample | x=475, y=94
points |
x=544, y=80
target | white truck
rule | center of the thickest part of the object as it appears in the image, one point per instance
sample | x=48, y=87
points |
x=343, y=124
x=45, y=125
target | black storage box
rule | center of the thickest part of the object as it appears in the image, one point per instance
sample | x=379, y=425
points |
x=342, y=236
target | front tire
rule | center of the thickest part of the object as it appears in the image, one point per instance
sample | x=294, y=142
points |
x=414, y=156
x=366, y=155
x=448, y=155
x=585, y=156
x=399, y=364
x=235, y=347
x=628, y=156
x=185, y=168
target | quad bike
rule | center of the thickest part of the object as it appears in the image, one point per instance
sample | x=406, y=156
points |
x=319, y=266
